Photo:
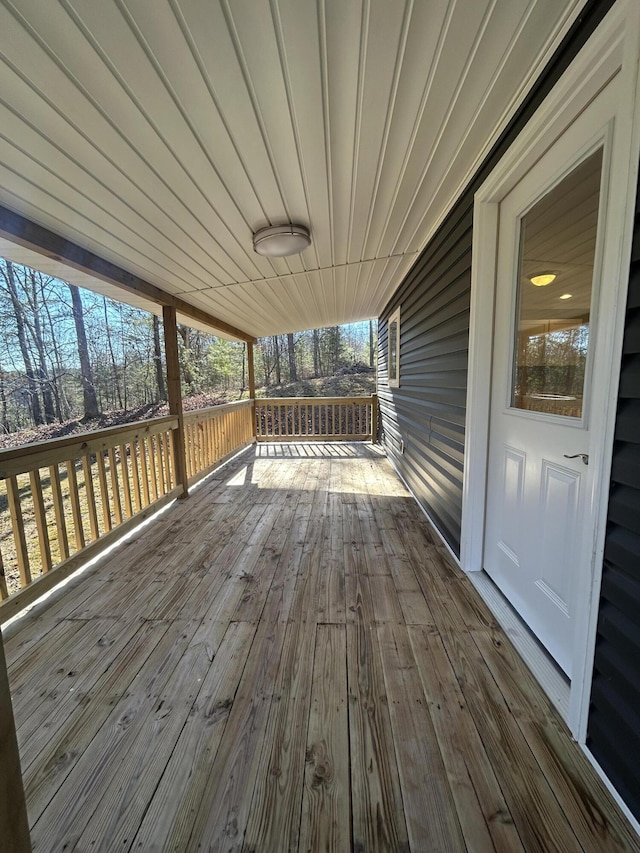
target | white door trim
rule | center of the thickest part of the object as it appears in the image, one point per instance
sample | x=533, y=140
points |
x=612, y=50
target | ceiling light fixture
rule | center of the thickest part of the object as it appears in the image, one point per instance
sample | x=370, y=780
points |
x=566, y=296
x=281, y=240
x=543, y=280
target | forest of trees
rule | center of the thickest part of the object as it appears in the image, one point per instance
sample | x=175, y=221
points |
x=70, y=353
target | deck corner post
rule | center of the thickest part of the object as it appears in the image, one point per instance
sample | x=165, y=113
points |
x=374, y=418
x=252, y=385
x=174, y=392
x=14, y=825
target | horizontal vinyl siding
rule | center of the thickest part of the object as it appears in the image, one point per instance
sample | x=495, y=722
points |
x=427, y=411
x=423, y=421
x=614, y=715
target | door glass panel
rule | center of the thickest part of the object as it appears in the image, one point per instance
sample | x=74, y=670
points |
x=555, y=278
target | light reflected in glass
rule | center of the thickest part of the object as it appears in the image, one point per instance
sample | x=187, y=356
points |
x=557, y=236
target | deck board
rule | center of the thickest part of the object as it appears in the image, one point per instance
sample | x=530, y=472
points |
x=325, y=821
x=289, y=660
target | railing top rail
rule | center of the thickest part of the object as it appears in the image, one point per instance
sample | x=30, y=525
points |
x=29, y=457
x=283, y=401
x=213, y=411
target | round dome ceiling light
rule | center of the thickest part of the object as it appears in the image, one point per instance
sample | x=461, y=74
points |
x=281, y=240
x=543, y=280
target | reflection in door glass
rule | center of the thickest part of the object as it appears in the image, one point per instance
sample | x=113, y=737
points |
x=557, y=251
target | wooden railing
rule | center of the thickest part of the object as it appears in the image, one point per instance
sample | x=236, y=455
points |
x=316, y=418
x=63, y=497
x=64, y=501
x=214, y=434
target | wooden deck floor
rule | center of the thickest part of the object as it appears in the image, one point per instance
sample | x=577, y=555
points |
x=287, y=661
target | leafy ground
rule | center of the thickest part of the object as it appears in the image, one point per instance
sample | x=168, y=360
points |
x=344, y=385
x=104, y=421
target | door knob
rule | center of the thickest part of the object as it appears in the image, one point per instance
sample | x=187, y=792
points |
x=583, y=456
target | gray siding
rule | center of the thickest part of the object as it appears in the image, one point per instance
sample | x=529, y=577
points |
x=423, y=421
x=614, y=718
x=427, y=411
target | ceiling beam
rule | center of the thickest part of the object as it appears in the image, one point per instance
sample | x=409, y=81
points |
x=30, y=235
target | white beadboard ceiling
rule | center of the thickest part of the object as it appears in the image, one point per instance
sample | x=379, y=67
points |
x=159, y=134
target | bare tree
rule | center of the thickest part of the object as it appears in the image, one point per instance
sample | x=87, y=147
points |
x=6, y=427
x=114, y=366
x=371, y=350
x=63, y=409
x=276, y=358
x=9, y=276
x=157, y=359
x=293, y=375
x=34, y=292
x=316, y=353
x=89, y=398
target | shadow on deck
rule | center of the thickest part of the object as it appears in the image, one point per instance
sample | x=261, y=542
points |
x=288, y=661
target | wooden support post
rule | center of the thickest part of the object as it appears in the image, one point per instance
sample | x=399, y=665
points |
x=374, y=418
x=174, y=392
x=14, y=828
x=252, y=386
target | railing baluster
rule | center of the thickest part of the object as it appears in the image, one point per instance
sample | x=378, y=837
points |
x=152, y=467
x=205, y=443
x=133, y=447
x=159, y=463
x=213, y=440
x=144, y=471
x=4, y=592
x=188, y=449
x=41, y=519
x=22, y=555
x=72, y=480
x=188, y=438
x=91, y=498
x=126, y=487
x=104, y=491
x=331, y=418
x=162, y=483
x=58, y=508
x=115, y=486
x=191, y=442
x=170, y=461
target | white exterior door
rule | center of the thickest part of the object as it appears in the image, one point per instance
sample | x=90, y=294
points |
x=542, y=400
